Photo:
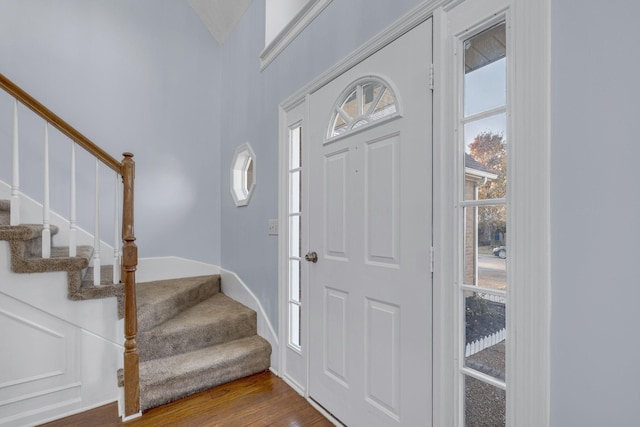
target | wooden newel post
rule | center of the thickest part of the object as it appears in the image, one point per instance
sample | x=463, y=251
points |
x=129, y=263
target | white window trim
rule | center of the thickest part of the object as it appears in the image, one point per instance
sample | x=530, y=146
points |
x=245, y=154
x=299, y=22
x=293, y=361
x=528, y=316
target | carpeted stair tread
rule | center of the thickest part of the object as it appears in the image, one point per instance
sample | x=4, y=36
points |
x=168, y=379
x=24, y=262
x=161, y=300
x=23, y=231
x=213, y=321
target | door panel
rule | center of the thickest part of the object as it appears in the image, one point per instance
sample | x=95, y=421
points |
x=370, y=356
x=337, y=178
x=382, y=197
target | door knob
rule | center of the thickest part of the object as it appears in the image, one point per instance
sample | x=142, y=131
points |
x=312, y=257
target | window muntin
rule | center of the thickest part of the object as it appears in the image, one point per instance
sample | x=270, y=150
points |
x=483, y=214
x=295, y=223
x=366, y=101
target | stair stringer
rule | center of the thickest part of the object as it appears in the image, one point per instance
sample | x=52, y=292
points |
x=58, y=356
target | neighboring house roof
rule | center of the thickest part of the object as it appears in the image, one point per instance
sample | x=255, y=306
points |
x=476, y=169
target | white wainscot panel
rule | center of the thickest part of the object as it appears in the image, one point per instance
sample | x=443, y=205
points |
x=336, y=195
x=382, y=358
x=335, y=318
x=39, y=355
x=382, y=201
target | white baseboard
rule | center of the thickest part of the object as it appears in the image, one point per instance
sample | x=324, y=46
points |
x=235, y=288
x=172, y=267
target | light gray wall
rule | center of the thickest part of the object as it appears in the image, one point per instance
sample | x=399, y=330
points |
x=595, y=253
x=250, y=102
x=140, y=76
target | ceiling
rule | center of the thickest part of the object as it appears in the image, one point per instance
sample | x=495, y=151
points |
x=220, y=16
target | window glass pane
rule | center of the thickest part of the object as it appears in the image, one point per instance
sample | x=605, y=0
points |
x=485, y=158
x=485, y=71
x=358, y=124
x=295, y=148
x=248, y=175
x=339, y=126
x=370, y=92
x=367, y=102
x=350, y=105
x=294, y=236
x=485, y=333
x=485, y=405
x=294, y=324
x=485, y=250
x=294, y=280
x=294, y=192
x=385, y=107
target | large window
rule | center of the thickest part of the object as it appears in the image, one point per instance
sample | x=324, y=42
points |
x=482, y=213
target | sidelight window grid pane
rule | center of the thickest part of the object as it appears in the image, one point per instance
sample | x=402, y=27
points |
x=482, y=213
x=294, y=226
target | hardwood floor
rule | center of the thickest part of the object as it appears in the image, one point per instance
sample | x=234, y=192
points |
x=259, y=400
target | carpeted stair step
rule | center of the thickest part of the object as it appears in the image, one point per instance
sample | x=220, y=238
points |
x=215, y=320
x=5, y=207
x=167, y=379
x=25, y=243
x=160, y=300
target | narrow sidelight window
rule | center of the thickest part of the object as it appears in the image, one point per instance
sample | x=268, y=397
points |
x=295, y=223
x=483, y=251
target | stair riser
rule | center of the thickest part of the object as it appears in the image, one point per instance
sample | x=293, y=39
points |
x=154, y=345
x=155, y=313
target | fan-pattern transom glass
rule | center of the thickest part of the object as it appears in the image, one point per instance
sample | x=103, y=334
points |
x=365, y=102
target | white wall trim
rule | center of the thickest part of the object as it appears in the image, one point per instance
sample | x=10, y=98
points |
x=528, y=317
x=235, y=288
x=530, y=301
x=413, y=18
x=299, y=22
x=172, y=267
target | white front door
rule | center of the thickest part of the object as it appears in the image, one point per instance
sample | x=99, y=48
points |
x=370, y=208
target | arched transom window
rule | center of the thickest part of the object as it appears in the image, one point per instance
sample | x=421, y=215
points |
x=368, y=100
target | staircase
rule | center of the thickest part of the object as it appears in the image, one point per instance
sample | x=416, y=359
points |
x=191, y=336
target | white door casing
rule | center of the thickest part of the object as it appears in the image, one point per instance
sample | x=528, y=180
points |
x=370, y=207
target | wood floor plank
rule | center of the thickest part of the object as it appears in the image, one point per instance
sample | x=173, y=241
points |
x=259, y=400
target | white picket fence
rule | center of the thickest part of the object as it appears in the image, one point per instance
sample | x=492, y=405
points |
x=486, y=342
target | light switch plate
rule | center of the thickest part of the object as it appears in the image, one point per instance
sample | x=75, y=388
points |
x=272, y=227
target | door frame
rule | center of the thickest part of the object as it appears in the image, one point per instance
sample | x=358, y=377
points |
x=528, y=394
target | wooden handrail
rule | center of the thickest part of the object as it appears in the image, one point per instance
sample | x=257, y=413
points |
x=55, y=121
x=126, y=169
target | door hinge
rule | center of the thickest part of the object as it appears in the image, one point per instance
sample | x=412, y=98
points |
x=432, y=262
x=431, y=76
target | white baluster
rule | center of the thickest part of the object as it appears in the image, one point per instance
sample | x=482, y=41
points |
x=46, y=211
x=96, y=236
x=15, y=177
x=72, y=215
x=116, y=235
